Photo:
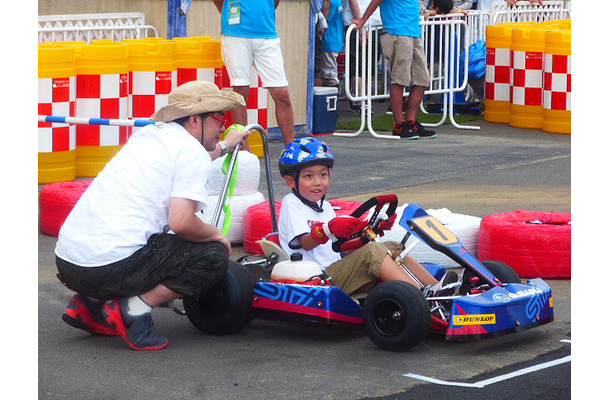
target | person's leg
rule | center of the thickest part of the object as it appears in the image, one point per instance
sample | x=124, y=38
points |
x=240, y=114
x=237, y=54
x=413, y=102
x=396, y=98
x=269, y=64
x=284, y=114
x=168, y=268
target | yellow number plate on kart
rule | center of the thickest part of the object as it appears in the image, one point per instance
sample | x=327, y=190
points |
x=437, y=231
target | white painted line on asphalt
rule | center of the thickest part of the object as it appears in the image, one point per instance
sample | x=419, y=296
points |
x=497, y=379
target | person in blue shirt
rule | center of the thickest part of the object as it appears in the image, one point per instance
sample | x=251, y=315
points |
x=331, y=42
x=249, y=36
x=402, y=45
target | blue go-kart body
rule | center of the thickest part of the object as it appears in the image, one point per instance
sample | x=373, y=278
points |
x=486, y=307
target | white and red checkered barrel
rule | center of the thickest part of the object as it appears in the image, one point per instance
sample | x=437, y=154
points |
x=102, y=82
x=557, y=114
x=527, y=65
x=56, y=96
x=497, y=73
x=257, y=106
x=152, y=75
x=198, y=58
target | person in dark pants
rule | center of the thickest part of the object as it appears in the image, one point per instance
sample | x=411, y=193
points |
x=115, y=249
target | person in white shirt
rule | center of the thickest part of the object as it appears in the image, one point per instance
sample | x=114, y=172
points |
x=307, y=222
x=114, y=249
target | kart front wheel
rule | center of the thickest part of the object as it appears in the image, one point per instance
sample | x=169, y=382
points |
x=226, y=307
x=396, y=316
x=502, y=271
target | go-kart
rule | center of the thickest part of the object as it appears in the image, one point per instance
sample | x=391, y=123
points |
x=491, y=299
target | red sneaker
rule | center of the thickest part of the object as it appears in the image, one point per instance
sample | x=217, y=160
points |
x=80, y=314
x=137, y=331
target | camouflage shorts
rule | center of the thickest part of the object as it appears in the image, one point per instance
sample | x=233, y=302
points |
x=181, y=266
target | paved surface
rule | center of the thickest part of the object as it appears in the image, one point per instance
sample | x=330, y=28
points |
x=496, y=169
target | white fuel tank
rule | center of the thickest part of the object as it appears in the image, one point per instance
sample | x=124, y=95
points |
x=296, y=269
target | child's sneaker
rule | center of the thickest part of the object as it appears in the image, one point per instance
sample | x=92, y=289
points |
x=83, y=314
x=403, y=130
x=137, y=330
x=445, y=287
x=421, y=131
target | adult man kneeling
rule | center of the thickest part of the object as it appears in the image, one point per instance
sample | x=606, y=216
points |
x=114, y=249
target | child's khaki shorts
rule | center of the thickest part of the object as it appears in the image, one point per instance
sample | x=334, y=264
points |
x=359, y=271
x=407, y=60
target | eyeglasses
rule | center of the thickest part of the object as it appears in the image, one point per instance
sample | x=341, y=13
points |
x=219, y=119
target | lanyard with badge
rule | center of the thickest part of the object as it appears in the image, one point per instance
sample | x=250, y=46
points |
x=234, y=13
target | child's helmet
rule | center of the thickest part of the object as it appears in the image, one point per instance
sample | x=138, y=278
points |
x=304, y=152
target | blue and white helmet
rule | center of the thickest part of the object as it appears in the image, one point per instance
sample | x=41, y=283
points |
x=304, y=152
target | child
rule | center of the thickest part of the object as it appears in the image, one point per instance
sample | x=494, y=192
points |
x=439, y=7
x=307, y=220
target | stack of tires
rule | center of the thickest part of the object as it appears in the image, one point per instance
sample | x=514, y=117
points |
x=534, y=244
x=245, y=194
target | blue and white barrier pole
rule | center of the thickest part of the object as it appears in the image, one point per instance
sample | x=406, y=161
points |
x=96, y=121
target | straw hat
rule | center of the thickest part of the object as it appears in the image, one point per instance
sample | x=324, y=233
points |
x=197, y=97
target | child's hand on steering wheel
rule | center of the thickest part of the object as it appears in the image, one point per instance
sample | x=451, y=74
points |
x=339, y=227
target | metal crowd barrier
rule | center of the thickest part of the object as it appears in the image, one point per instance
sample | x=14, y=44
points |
x=443, y=38
x=87, y=27
x=526, y=11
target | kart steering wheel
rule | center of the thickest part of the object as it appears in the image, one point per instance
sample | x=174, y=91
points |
x=372, y=228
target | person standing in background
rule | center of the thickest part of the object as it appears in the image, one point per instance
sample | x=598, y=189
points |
x=249, y=35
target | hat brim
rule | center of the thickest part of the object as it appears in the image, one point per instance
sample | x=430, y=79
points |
x=199, y=104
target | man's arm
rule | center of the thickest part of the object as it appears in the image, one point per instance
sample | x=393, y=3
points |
x=185, y=224
x=367, y=14
x=232, y=139
x=355, y=7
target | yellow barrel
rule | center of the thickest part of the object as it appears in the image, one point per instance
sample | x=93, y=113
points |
x=557, y=114
x=56, y=96
x=198, y=58
x=152, y=75
x=527, y=67
x=497, y=72
x=102, y=82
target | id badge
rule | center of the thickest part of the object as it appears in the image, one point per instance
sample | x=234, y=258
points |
x=234, y=13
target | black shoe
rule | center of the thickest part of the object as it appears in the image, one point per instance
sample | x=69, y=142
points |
x=403, y=130
x=421, y=131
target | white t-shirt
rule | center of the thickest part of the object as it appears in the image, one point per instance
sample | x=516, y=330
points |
x=129, y=200
x=297, y=219
x=485, y=5
x=348, y=16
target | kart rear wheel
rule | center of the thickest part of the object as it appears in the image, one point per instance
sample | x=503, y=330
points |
x=396, y=316
x=502, y=271
x=226, y=307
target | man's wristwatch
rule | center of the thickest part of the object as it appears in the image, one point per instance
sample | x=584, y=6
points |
x=223, y=148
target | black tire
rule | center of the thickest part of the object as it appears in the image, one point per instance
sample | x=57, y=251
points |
x=226, y=307
x=502, y=271
x=396, y=316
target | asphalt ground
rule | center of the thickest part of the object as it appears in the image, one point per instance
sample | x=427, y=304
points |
x=496, y=169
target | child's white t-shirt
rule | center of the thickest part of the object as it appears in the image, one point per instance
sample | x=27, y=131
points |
x=296, y=219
